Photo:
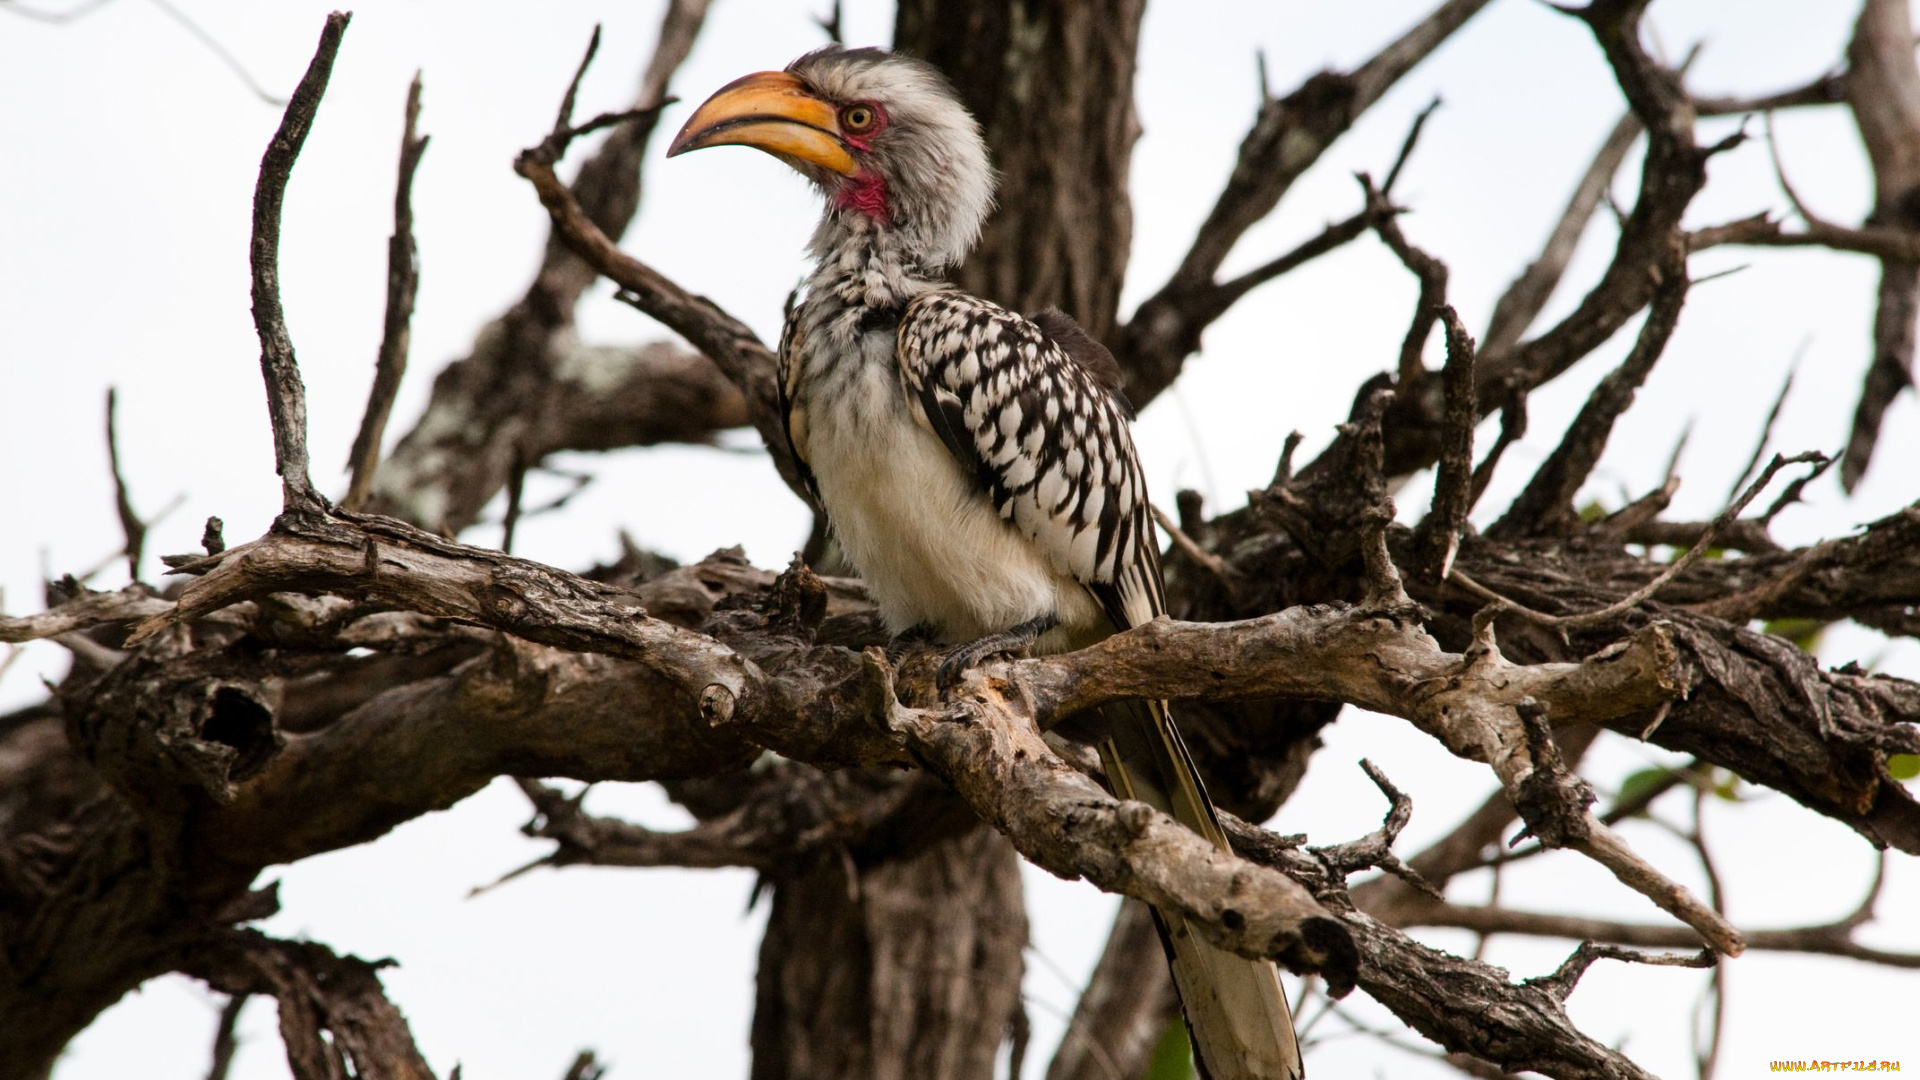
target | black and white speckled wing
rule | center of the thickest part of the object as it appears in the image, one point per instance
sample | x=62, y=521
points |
x=793, y=420
x=1032, y=408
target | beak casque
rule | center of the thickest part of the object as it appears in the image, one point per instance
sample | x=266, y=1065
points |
x=771, y=111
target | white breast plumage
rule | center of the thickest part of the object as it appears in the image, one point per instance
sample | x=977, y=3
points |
x=927, y=540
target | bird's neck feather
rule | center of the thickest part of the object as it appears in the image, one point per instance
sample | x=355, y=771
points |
x=861, y=261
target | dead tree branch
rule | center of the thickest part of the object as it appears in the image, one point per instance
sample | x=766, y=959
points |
x=734, y=348
x=1673, y=173
x=1463, y=1005
x=1546, y=506
x=403, y=284
x=1562, y=981
x=286, y=395
x=1528, y=295
x=335, y=1018
x=1828, y=939
x=1674, y=569
x=131, y=526
x=1288, y=136
x=507, y=401
x=1883, y=90
x=225, y=1041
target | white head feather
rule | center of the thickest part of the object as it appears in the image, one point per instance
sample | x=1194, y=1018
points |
x=939, y=182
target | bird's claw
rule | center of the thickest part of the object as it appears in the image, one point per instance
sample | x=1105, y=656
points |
x=956, y=665
x=1006, y=643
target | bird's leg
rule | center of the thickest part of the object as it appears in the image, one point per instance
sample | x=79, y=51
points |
x=908, y=641
x=1012, y=640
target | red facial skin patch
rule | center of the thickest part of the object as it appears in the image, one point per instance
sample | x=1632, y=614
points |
x=866, y=191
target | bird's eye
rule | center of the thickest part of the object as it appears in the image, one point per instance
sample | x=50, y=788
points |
x=857, y=118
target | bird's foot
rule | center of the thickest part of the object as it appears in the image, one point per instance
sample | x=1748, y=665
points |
x=909, y=641
x=1012, y=640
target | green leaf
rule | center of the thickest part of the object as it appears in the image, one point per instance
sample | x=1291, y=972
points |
x=1592, y=512
x=1173, y=1058
x=1637, y=785
x=1903, y=766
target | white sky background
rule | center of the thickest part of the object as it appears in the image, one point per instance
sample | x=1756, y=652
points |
x=125, y=196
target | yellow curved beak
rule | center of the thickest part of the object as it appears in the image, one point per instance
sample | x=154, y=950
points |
x=771, y=111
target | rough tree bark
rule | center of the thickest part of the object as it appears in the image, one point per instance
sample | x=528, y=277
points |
x=346, y=672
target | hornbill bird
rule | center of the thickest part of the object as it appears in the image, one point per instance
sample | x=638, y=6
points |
x=975, y=465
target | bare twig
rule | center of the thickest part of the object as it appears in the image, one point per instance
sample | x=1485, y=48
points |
x=1829, y=939
x=586, y=1066
x=1883, y=91
x=1209, y=305
x=73, y=14
x=1773, y=416
x=1827, y=89
x=731, y=345
x=830, y=25
x=1562, y=981
x=1375, y=850
x=516, y=489
x=1645, y=508
x=131, y=527
x=1439, y=532
x=286, y=396
x=88, y=610
x=519, y=389
x=1288, y=136
x=224, y=1040
x=1673, y=173
x=1545, y=506
x=1283, y=469
x=1431, y=273
x=1529, y=293
x=1513, y=428
x=1473, y=1011
x=1761, y=230
x=1407, y=144
x=1646, y=592
x=220, y=51
x=403, y=284
x=1213, y=564
x=1800, y=207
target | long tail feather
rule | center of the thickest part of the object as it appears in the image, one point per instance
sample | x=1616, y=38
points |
x=1237, y=1015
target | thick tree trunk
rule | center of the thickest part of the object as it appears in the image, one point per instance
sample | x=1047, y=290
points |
x=1052, y=85
x=908, y=968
